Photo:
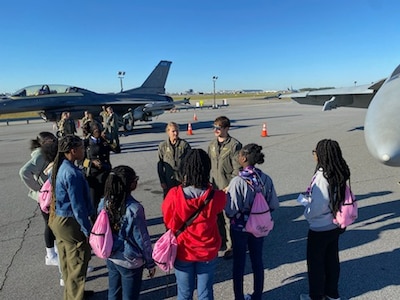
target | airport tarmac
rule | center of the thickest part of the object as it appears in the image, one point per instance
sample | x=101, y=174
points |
x=369, y=248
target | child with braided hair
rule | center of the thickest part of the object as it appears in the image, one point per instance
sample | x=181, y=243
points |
x=199, y=243
x=132, y=250
x=69, y=216
x=327, y=192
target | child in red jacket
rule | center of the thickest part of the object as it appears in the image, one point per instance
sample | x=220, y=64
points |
x=199, y=243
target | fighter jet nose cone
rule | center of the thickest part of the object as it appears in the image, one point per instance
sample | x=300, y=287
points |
x=390, y=158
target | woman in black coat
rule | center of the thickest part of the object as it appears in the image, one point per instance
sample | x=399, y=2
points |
x=97, y=162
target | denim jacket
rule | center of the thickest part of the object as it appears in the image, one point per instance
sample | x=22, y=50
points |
x=132, y=245
x=72, y=195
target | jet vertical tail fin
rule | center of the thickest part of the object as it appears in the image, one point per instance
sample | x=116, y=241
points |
x=155, y=83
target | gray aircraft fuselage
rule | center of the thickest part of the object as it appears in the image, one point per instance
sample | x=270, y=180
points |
x=51, y=105
x=382, y=122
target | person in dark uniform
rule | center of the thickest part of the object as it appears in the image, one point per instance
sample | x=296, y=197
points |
x=97, y=162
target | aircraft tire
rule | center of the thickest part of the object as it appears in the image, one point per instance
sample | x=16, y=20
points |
x=128, y=126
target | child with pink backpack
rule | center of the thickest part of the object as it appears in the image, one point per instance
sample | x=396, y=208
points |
x=246, y=193
x=330, y=209
x=131, y=249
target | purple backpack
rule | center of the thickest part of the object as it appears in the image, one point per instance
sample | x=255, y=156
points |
x=100, y=238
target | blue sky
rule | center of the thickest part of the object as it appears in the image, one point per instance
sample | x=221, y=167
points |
x=255, y=44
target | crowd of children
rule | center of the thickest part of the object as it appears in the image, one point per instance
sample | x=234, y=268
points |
x=84, y=181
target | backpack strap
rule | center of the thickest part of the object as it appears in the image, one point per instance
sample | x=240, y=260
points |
x=195, y=214
x=253, y=188
x=308, y=191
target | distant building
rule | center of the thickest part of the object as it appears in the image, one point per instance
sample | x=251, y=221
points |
x=252, y=91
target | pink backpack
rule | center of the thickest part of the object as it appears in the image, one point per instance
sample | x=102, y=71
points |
x=45, y=196
x=348, y=210
x=260, y=221
x=165, y=249
x=100, y=238
x=164, y=252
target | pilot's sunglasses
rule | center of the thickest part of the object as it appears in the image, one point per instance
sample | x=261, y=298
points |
x=217, y=127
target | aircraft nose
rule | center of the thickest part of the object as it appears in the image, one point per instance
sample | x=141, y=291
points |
x=385, y=148
x=382, y=124
x=389, y=158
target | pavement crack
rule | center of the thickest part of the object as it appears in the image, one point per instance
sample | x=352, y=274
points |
x=28, y=225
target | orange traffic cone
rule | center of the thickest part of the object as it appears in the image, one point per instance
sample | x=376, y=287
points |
x=194, y=117
x=189, y=131
x=264, y=132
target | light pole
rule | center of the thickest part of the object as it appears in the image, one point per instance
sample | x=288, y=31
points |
x=214, y=80
x=121, y=75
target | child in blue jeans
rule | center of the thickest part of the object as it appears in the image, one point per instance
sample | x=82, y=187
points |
x=241, y=194
x=132, y=250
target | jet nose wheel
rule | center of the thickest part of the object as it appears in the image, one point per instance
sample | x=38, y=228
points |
x=128, y=126
x=43, y=116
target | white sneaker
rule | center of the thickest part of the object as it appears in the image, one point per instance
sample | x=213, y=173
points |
x=61, y=282
x=51, y=261
x=305, y=297
x=247, y=297
x=329, y=298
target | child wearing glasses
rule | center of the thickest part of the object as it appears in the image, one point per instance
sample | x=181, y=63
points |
x=327, y=191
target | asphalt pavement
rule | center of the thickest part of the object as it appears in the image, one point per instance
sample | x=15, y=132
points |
x=369, y=249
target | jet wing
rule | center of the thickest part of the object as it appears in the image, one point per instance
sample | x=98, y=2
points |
x=357, y=96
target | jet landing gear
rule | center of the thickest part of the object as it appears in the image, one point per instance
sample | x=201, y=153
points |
x=128, y=126
x=128, y=120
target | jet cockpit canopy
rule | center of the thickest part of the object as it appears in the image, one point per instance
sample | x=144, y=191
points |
x=46, y=89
